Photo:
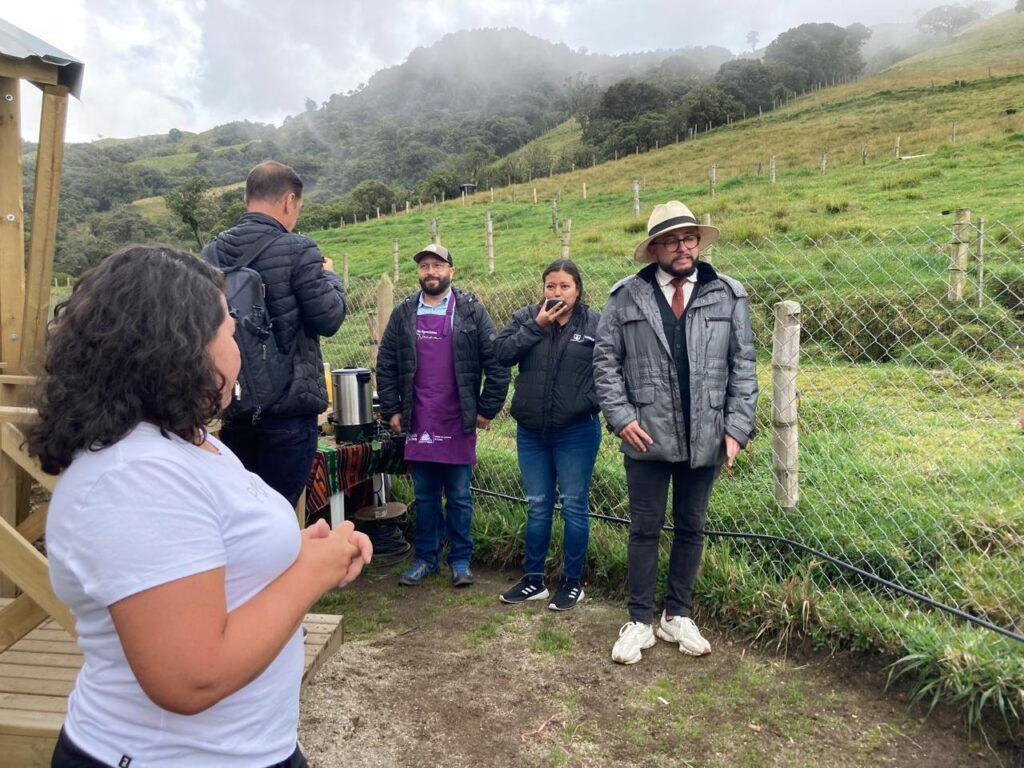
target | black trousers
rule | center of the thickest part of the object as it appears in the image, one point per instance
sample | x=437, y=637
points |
x=280, y=449
x=67, y=755
x=648, y=483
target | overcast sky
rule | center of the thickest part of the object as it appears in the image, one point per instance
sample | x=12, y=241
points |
x=192, y=64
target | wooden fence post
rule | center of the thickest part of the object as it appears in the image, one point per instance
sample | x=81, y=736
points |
x=378, y=212
x=958, y=248
x=341, y=221
x=771, y=168
x=407, y=206
x=433, y=231
x=344, y=270
x=897, y=147
x=785, y=404
x=554, y=215
x=492, y=194
x=712, y=178
x=979, y=261
x=824, y=162
x=489, y=243
x=379, y=321
x=394, y=261
x=863, y=154
x=636, y=198
x=535, y=194
x=566, y=233
x=584, y=190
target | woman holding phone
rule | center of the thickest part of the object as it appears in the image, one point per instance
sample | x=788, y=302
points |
x=558, y=432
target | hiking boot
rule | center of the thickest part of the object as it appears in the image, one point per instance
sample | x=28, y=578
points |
x=527, y=588
x=633, y=638
x=570, y=592
x=461, y=575
x=416, y=573
x=682, y=630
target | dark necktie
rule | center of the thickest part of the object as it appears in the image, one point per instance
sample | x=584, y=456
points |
x=678, y=298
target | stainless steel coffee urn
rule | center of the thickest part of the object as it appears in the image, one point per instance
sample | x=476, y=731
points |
x=353, y=404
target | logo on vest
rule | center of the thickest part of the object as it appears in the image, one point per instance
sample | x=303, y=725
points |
x=425, y=439
x=577, y=337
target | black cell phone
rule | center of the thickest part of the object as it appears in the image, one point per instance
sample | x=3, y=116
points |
x=552, y=303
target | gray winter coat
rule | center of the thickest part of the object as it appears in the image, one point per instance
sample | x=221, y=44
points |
x=636, y=377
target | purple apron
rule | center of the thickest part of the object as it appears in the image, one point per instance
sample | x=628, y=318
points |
x=436, y=433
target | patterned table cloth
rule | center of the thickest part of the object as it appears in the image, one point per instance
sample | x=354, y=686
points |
x=337, y=468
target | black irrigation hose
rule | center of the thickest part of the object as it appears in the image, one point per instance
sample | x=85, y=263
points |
x=841, y=564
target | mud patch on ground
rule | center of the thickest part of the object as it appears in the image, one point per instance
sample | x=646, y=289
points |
x=437, y=676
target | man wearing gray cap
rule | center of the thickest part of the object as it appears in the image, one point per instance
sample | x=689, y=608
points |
x=437, y=350
x=674, y=373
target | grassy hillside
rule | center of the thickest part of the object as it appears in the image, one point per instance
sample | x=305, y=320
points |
x=898, y=467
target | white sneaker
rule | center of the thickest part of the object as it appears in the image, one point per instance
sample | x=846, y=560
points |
x=633, y=638
x=682, y=630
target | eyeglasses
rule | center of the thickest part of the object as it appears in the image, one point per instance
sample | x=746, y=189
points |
x=676, y=243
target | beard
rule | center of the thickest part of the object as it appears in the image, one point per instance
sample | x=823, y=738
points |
x=443, y=284
x=676, y=271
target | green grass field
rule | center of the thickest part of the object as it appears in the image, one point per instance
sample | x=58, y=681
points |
x=911, y=460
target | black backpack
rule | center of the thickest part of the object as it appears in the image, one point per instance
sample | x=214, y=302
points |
x=266, y=370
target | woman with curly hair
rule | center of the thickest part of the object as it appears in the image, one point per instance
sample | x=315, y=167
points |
x=187, y=575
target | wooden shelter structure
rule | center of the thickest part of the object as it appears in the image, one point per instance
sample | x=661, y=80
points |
x=39, y=658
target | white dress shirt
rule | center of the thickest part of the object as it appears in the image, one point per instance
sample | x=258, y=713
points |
x=668, y=290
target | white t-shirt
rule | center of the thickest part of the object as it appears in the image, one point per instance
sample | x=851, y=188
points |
x=143, y=512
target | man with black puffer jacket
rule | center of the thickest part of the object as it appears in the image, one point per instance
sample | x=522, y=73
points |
x=305, y=301
x=439, y=380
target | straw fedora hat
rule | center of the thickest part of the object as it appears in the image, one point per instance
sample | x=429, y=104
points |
x=665, y=218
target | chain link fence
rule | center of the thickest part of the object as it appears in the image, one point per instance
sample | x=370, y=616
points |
x=911, y=457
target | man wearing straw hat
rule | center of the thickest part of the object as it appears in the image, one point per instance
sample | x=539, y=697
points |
x=674, y=373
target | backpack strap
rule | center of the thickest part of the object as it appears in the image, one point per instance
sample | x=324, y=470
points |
x=250, y=256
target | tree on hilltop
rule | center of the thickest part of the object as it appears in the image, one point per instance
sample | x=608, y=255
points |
x=823, y=52
x=192, y=205
x=752, y=38
x=947, y=20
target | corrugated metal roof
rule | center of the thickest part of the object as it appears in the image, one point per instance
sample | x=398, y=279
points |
x=19, y=44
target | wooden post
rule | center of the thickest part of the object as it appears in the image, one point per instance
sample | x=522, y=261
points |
x=535, y=194
x=463, y=197
x=824, y=162
x=897, y=147
x=979, y=261
x=394, y=208
x=705, y=219
x=636, y=198
x=958, y=253
x=492, y=194
x=378, y=212
x=954, y=132
x=771, y=168
x=341, y=221
x=379, y=321
x=344, y=269
x=863, y=154
x=554, y=215
x=394, y=261
x=584, y=190
x=760, y=167
x=712, y=178
x=49, y=157
x=12, y=225
x=566, y=233
x=407, y=206
x=489, y=243
x=433, y=231
x=785, y=403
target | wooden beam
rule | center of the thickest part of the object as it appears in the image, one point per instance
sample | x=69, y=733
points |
x=49, y=157
x=33, y=69
x=17, y=414
x=11, y=447
x=34, y=526
x=18, y=618
x=24, y=565
x=10, y=378
x=12, y=225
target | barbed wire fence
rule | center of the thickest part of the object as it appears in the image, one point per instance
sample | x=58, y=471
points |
x=904, y=463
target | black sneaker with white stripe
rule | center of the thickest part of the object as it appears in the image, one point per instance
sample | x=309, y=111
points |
x=527, y=588
x=570, y=592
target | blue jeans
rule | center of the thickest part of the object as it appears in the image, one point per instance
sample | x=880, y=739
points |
x=280, y=449
x=429, y=480
x=561, y=459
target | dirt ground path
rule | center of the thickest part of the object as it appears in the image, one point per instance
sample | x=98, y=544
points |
x=437, y=676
